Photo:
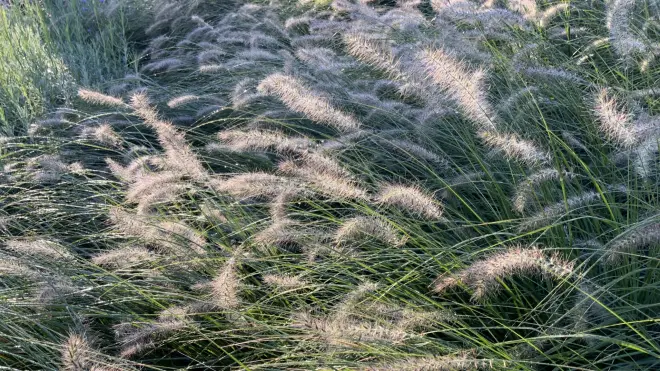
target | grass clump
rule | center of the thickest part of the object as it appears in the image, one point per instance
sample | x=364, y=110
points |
x=364, y=185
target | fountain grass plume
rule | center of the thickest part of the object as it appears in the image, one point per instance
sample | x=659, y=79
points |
x=483, y=277
x=463, y=86
x=94, y=97
x=300, y=98
x=411, y=199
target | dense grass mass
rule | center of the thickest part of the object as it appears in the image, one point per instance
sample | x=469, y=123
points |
x=329, y=185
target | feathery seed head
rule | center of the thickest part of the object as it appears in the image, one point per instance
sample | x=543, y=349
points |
x=526, y=188
x=284, y=281
x=253, y=185
x=164, y=65
x=176, y=234
x=558, y=209
x=77, y=353
x=103, y=134
x=14, y=267
x=411, y=199
x=463, y=361
x=165, y=193
x=124, y=257
x=345, y=332
x=150, y=183
x=279, y=205
x=100, y=99
x=410, y=148
x=224, y=286
x=373, y=51
x=212, y=68
x=525, y=7
x=300, y=98
x=354, y=230
x=624, y=40
x=39, y=248
x=515, y=148
x=259, y=140
x=465, y=87
x=631, y=241
x=179, y=155
x=182, y=100
x=615, y=123
x=549, y=14
x=285, y=233
x=483, y=276
x=324, y=180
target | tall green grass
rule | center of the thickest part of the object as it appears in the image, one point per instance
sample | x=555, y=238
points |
x=32, y=75
x=49, y=47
